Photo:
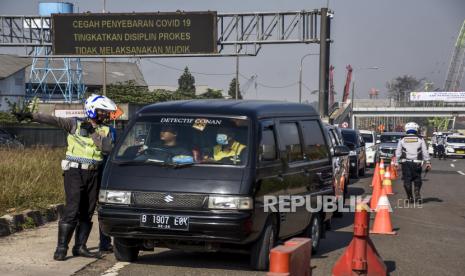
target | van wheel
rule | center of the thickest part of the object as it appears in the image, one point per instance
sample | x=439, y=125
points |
x=314, y=231
x=361, y=172
x=126, y=250
x=260, y=253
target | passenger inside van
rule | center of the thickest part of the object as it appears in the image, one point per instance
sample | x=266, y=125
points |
x=227, y=149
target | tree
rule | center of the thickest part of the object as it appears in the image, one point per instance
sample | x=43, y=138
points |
x=232, y=90
x=211, y=94
x=186, y=84
x=129, y=92
x=400, y=87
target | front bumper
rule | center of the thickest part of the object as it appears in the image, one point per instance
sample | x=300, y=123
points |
x=204, y=226
x=370, y=157
x=455, y=152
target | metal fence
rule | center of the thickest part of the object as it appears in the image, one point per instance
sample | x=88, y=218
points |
x=39, y=135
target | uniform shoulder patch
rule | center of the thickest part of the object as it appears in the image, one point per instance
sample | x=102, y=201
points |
x=411, y=139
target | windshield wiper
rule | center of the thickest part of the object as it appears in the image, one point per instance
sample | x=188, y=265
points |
x=152, y=162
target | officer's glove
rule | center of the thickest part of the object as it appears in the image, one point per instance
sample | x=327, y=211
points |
x=22, y=115
x=88, y=127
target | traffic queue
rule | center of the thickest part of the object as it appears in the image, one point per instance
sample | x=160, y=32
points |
x=194, y=175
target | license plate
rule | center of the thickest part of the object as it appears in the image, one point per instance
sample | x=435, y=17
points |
x=460, y=151
x=165, y=222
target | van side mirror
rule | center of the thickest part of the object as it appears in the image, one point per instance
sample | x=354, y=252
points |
x=378, y=141
x=267, y=153
x=341, y=150
x=362, y=144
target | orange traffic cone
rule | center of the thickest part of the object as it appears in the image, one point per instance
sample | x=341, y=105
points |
x=375, y=174
x=393, y=169
x=382, y=223
x=387, y=183
x=377, y=189
x=381, y=167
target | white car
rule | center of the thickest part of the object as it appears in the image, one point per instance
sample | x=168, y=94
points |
x=455, y=145
x=370, y=146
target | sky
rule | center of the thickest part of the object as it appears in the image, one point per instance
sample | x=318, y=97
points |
x=414, y=37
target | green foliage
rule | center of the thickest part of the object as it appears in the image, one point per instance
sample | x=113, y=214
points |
x=128, y=92
x=186, y=84
x=400, y=87
x=7, y=118
x=232, y=90
x=211, y=94
x=28, y=223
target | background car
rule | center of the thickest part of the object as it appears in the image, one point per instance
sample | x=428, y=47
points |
x=357, y=155
x=455, y=145
x=370, y=146
x=388, y=145
x=340, y=163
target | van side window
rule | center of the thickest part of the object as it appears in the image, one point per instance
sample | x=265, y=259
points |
x=289, y=135
x=315, y=145
x=267, y=149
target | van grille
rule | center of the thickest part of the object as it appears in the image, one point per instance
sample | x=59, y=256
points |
x=169, y=200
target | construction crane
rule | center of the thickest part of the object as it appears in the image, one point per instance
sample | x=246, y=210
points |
x=331, y=85
x=345, y=97
x=457, y=63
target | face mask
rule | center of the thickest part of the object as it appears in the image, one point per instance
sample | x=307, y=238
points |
x=222, y=139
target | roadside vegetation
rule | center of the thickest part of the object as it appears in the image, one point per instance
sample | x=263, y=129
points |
x=30, y=178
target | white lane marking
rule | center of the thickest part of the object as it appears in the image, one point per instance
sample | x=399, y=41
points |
x=454, y=160
x=452, y=165
x=113, y=271
x=460, y=172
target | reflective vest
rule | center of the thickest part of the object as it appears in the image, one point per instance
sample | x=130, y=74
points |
x=234, y=152
x=82, y=149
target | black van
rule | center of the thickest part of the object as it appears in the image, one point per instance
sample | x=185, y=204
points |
x=197, y=180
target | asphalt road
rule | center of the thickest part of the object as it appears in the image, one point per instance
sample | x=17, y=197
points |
x=430, y=240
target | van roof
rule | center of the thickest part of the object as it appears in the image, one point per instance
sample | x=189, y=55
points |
x=251, y=108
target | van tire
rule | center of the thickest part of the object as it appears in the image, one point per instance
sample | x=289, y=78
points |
x=361, y=172
x=126, y=250
x=315, y=231
x=260, y=251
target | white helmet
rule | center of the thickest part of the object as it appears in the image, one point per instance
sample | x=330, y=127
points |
x=411, y=127
x=95, y=102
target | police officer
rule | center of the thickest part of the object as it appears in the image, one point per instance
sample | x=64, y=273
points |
x=411, y=153
x=88, y=141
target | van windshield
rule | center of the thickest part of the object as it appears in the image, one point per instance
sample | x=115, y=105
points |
x=185, y=140
x=459, y=140
x=391, y=138
x=367, y=137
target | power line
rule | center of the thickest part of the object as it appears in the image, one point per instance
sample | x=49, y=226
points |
x=192, y=72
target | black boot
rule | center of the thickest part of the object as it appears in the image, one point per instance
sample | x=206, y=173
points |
x=408, y=191
x=65, y=232
x=418, y=198
x=82, y=234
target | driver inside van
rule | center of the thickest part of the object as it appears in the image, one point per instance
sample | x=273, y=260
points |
x=227, y=148
x=168, y=149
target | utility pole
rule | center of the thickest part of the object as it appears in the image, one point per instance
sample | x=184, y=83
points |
x=325, y=42
x=104, y=63
x=237, y=76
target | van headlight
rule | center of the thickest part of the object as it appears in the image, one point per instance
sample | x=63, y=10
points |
x=230, y=202
x=114, y=197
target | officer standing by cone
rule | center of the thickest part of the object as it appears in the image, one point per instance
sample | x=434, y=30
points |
x=411, y=153
x=88, y=141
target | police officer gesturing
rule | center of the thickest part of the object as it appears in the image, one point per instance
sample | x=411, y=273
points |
x=88, y=141
x=411, y=153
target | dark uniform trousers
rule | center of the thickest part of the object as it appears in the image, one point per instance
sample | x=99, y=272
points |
x=411, y=172
x=81, y=190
